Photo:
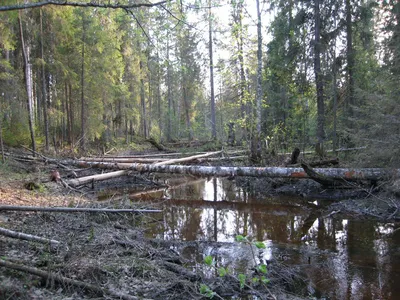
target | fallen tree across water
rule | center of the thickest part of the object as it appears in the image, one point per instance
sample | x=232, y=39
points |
x=349, y=174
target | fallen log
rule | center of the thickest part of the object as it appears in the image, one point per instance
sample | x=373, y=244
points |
x=186, y=159
x=350, y=174
x=27, y=237
x=125, y=159
x=77, y=209
x=98, y=177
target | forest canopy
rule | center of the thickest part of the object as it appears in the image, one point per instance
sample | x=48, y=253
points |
x=86, y=74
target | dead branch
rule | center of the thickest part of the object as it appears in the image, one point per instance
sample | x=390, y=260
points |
x=27, y=237
x=66, y=281
x=77, y=209
x=79, y=4
x=322, y=179
x=186, y=159
x=126, y=159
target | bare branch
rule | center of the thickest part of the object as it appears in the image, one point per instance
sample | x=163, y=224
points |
x=78, y=4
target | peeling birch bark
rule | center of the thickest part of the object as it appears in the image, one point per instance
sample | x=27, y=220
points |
x=351, y=174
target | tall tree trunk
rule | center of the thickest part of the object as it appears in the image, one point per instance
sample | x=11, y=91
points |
x=318, y=75
x=238, y=18
x=210, y=50
x=83, y=104
x=334, y=88
x=69, y=107
x=350, y=60
x=28, y=85
x=256, y=138
x=187, y=113
x=169, y=94
x=143, y=101
x=159, y=107
x=44, y=86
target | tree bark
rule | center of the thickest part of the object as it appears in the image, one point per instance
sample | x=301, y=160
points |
x=273, y=172
x=44, y=86
x=98, y=177
x=78, y=4
x=143, y=101
x=185, y=159
x=169, y=94
x=28, y=85
x=256, y=138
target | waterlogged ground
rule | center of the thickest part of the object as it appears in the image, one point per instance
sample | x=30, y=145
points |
x=342, y=256
x=314, y=248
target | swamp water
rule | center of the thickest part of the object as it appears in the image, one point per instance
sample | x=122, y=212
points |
x=342, y=257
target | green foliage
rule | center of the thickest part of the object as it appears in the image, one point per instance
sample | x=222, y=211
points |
x=206, y=291
x=222, y=272
x=262, y=268
x=260, y=245
x=242, y=280
x=209, y=260
x=240, y=238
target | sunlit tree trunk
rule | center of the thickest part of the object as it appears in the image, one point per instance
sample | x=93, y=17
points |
x=44, y=86
x=210, y=50
x=239, y=37
x=28, y=85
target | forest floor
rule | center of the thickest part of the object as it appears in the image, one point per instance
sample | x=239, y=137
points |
x=111, y=252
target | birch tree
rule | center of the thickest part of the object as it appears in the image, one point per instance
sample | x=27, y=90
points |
x=28, y=83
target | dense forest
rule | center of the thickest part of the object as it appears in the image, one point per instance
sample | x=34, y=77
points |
x=296, y=73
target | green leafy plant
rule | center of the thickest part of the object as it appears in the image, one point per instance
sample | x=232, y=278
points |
x=206, y=291
x=243, y=279
x=222, y=272
x=209, y=260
